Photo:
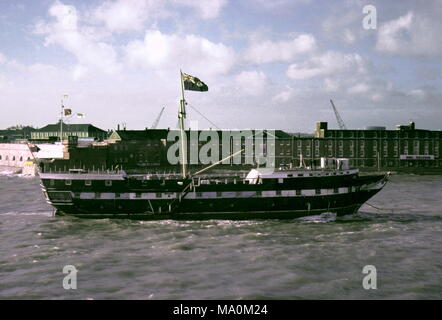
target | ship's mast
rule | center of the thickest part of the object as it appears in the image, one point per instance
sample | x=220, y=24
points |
x=61, y=116
x=61, y=121
x=181, y=117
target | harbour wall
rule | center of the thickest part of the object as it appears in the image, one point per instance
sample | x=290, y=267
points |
x=18, y=158
x=14, y=155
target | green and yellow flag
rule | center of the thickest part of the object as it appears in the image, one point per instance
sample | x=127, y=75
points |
x=193, y=83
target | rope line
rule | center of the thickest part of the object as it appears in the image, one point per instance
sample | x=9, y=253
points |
x=381, y=209
x=203, y=116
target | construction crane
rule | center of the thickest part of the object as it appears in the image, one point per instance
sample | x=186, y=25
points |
x=341, y=123
x=157, y=120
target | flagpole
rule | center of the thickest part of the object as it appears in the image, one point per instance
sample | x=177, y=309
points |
x=181, y=117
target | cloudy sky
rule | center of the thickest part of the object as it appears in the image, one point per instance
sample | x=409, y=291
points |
x=268, y=64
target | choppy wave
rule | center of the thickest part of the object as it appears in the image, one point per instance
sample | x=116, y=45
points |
x=20, y=213
x=317, y=257
x=322, y=218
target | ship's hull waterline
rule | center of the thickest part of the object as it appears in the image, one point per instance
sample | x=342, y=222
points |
x=156, y=200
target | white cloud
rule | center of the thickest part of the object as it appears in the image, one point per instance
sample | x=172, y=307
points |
x=328, y=63
x=276, y=6
x=171, y=52
x=128, y=15
x=417, y=93
x=132, y=15
x=410, y=35
x=285, y=95
x=359, y=88
x=3, y=58
x=344, y=25
x=348, y=36
x=208, y=9
x=83, y=43
x=280, y=51
x=122, y=15
x=331, y=85
x=252, y=82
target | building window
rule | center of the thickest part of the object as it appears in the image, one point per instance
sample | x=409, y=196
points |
x=341, y=148
x=316, y=148
x=308, y=150
x=416, y=147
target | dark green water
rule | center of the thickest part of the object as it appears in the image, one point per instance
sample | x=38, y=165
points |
x=314, y=258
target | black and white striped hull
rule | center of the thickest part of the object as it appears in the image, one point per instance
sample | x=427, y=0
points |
x=202, y=202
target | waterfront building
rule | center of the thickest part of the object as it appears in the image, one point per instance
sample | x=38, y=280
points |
x=133, y=149
x=375, y=147
x=16, y=133
x=52, y=132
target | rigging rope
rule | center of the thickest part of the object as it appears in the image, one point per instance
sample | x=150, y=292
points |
x=203, y=116
x=381, y=209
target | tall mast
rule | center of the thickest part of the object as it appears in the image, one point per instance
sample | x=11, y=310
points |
x=181, y=117
x=61, y=121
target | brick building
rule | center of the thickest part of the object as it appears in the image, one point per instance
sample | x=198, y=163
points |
x=374, y=147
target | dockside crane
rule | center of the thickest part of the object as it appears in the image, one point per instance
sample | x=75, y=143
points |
x=341, y=123
x=157, y=120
